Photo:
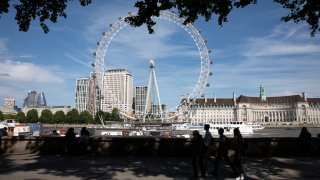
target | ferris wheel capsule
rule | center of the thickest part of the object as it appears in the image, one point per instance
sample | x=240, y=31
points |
x=119, y=18
x=104, y=33
x=98, y=43
x=199, y=30
x=205, y=41
x=210, y=73
x=129, y=13
x=111, y=25
x=209, y=51
x=207, y=84
x=93, y=64
x=94, y=53
x=210, y=62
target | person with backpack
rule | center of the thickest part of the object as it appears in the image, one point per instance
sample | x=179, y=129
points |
x=239, y=149
x=198, y=151
x=222, y=152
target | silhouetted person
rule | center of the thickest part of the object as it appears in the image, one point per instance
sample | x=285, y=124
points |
x=208, y=141
x=239, y=148
x=84, y=140
x=3, y=132
x=304, y=142
x=71, y=141
x=197, y=154
x=223, y=152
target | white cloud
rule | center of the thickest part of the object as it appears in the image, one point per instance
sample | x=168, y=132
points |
x=26, y=72
x=283, y=40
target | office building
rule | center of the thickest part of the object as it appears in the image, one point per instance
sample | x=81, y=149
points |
x=117, y=91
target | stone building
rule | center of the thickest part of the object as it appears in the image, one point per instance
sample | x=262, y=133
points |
x=294, y=109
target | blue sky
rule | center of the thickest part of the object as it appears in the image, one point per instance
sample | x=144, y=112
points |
x=253, y=47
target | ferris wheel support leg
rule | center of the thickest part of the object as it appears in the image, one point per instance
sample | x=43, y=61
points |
x=147, y=98
x=157, y=93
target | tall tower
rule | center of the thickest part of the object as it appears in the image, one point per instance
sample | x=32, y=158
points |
x=140, y=100
x=117, y=91
x=82, y=94
x=41, y=99
x=148, y=99
x=262, y=93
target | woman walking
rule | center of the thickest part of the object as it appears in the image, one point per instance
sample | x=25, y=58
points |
x=239, y=147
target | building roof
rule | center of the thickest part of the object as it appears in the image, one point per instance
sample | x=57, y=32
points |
x=271, y=100
x=313, y=100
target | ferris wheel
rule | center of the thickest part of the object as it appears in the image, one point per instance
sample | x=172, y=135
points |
x=205, y=61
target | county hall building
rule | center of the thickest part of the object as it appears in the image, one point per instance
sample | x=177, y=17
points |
x=294, y=109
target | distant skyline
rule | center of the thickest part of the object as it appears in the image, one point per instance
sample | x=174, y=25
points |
x=253, y=47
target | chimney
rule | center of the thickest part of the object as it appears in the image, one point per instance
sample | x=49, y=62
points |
x=205, y=99
x=215, y=98
x=234, y=98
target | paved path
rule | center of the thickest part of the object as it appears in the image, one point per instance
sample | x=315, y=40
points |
x=34, y=167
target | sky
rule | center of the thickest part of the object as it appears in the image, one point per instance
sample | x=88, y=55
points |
x=254, y=47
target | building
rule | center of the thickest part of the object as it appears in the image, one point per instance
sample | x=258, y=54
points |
x=140, y=100
x=9, y=103
x=34, y=99
x=53, y=109
x=82, y=94
x=117, y=91
x=9, y=106
x=293, y=109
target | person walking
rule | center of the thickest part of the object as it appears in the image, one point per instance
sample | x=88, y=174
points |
x=304, y=142
x=198, y=149
x=222, y=152
x=208, y=141
x=239, y=148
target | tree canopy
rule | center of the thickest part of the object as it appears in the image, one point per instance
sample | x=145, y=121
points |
x=21, y=116
x=46, y=116
x=32, y=116
x=59, y=117
x=300, y=10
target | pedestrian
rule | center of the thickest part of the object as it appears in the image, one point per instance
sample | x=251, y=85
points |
x=70, y=139
x=84, y=140
x=198, y=148
x=239, y=148
x=222, y=152
x=208, y=141
x=304, y=142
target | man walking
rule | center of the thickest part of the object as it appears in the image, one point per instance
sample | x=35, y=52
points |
x=223, y=152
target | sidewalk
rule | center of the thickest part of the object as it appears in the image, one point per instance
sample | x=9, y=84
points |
x=29, y=166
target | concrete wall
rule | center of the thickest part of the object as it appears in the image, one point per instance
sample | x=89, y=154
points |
x=145, y=146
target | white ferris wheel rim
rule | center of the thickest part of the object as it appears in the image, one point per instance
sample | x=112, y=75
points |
x=166, y=15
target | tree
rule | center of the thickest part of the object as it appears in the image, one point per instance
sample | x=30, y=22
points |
x=73, y=116
x=190, y=10
x=32, y=116
x=304, y=10
x=86, y=117
x=115, y=115
x=59, y=117
x=21, y=116
x=46, y=116
x=98, y=115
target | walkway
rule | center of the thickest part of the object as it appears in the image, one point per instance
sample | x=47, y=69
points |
x=50, y=167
